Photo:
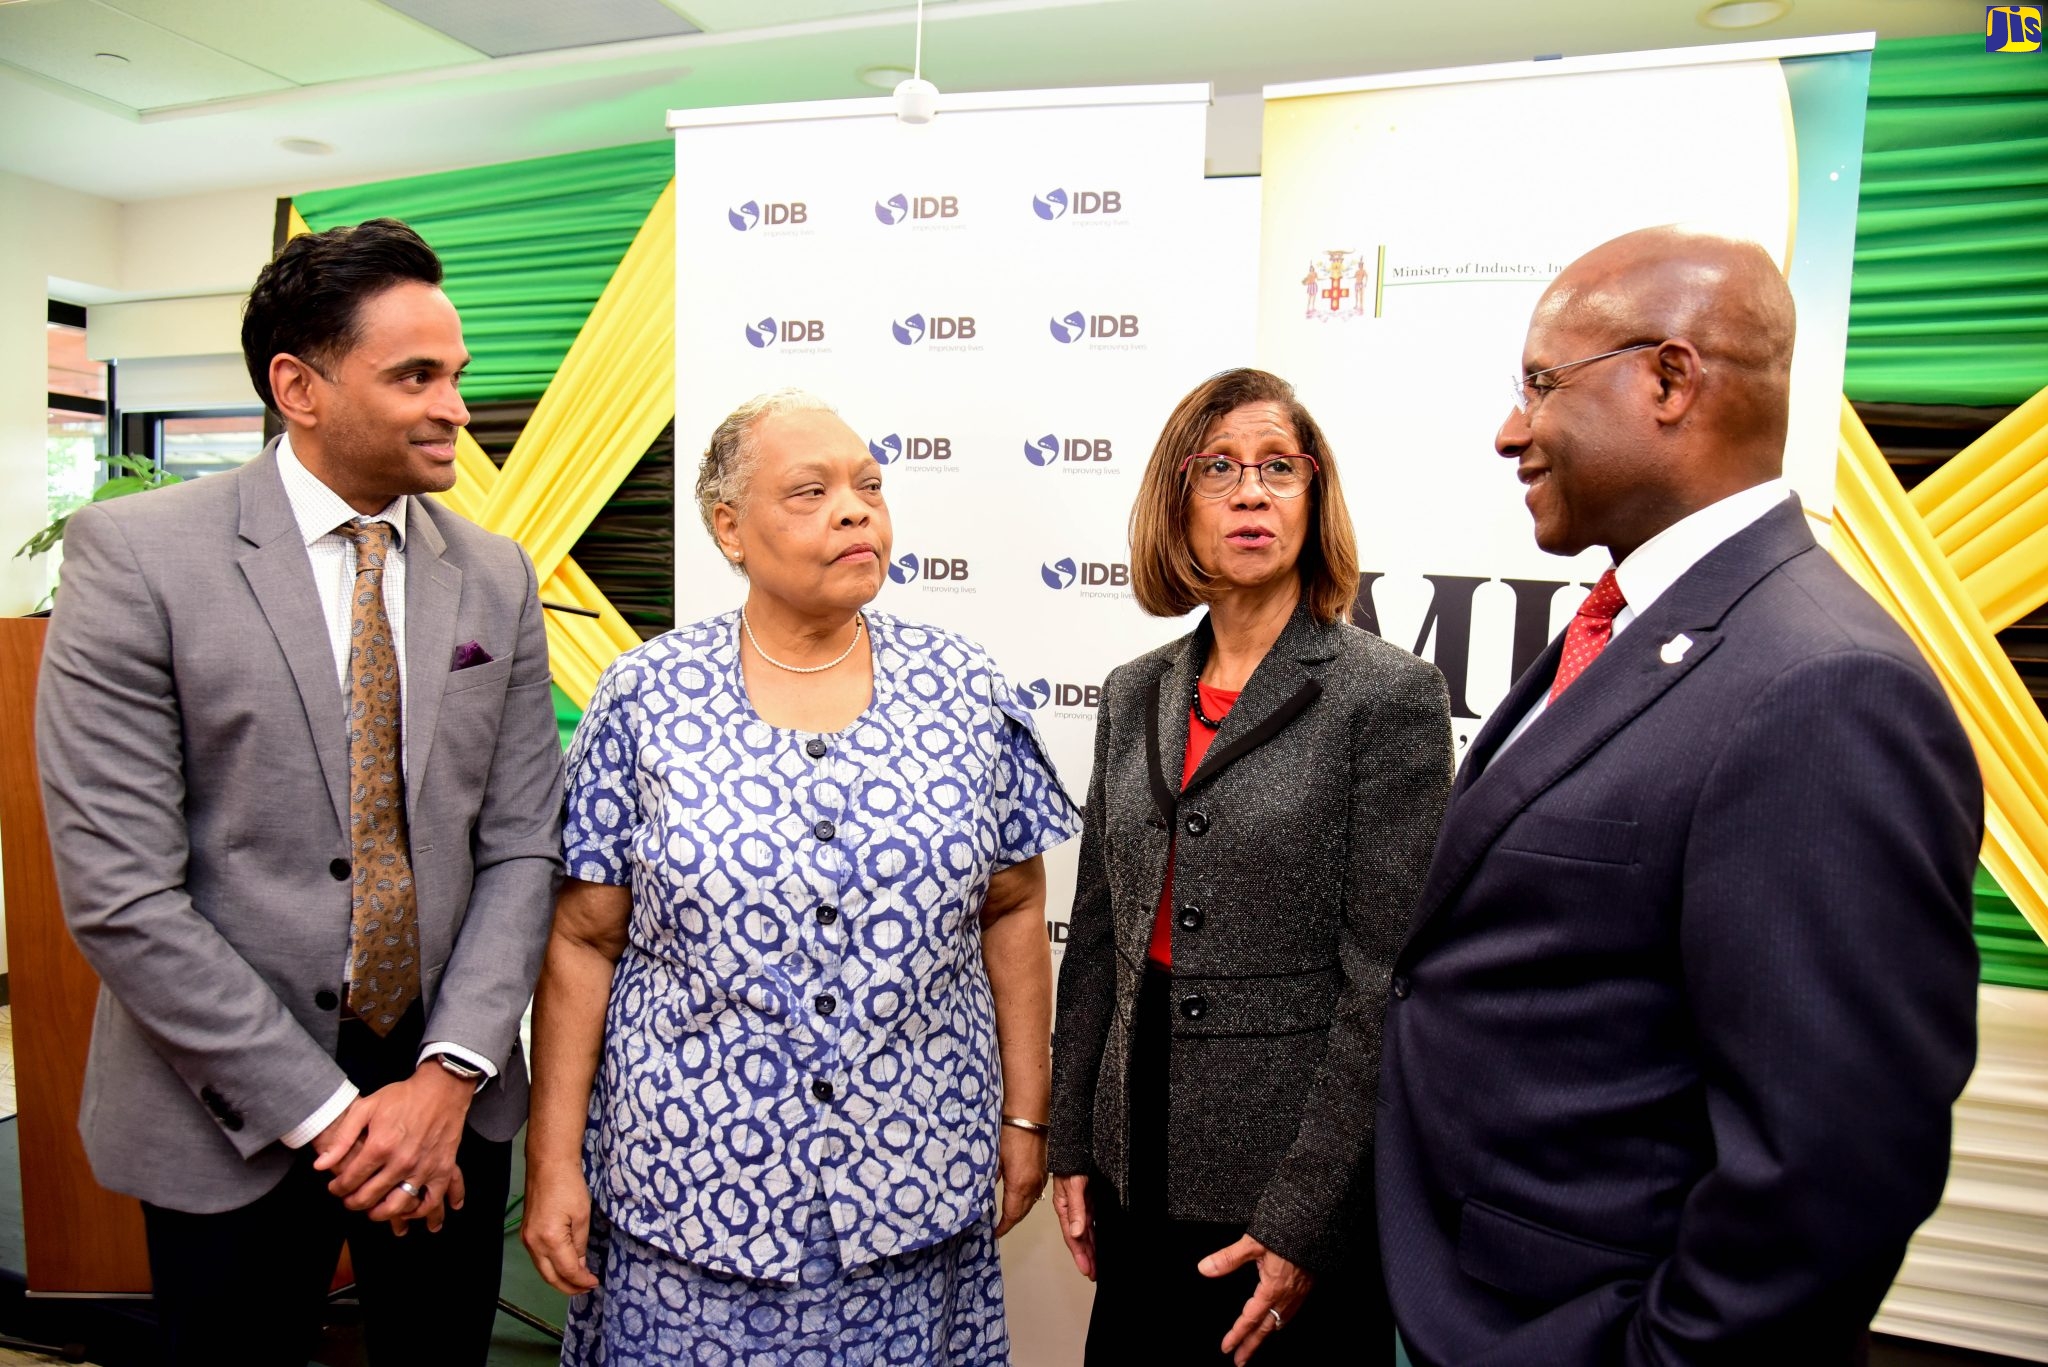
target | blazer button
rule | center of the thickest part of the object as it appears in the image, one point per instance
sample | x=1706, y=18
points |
x=826, y=1003
x=822, y=1090
x=827, y=915
x=1190, y=918
x=824, y=830
x=1196, y=823
x=815, y=749
x=1400, y=988
x=1194, y=1008
x=326, y=1000
x=340, y=868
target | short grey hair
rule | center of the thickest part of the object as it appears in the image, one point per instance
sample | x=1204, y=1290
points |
x=728, y=465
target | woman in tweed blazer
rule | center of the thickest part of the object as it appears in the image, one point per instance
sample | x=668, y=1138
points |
x=1249, y=857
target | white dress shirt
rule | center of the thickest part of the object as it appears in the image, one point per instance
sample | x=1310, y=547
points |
x=1657, y=564
x=319, y=511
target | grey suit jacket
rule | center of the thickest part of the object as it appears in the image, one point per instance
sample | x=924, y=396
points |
x=1298, y=849
x=190, y=731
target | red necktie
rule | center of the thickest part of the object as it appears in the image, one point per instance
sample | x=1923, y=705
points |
x=1591, y=629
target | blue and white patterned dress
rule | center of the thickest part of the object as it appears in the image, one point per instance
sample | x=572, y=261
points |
x=793, y=1132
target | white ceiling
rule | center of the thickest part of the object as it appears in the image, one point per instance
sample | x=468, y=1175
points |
x=211, y=87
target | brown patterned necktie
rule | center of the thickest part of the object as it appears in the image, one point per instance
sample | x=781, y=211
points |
x=384, y=935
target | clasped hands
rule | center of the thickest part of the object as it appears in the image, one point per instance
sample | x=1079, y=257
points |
x=406, y=1133
x=1282, y=1287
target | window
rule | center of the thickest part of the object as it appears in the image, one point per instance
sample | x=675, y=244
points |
x=80, y=397
x=194, y=442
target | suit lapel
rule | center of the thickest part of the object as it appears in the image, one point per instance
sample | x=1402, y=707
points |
x=1522, y=696
x=1278, y=691
x=273, y=560
x=1627, y=678
x=433, y=590
x=1166, y=720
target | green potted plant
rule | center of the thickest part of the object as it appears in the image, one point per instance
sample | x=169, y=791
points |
x=138, y=475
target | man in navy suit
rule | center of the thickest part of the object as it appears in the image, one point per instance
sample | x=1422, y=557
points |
x=1690, y=988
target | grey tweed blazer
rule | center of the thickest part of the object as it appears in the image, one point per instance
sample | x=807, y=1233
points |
x=1298, y=850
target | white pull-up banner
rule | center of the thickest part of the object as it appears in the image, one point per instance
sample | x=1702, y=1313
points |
x=1005, y=304
x=1412, y=220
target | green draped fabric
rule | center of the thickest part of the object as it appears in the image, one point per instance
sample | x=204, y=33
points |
x=1949, y=303
x=528, y=246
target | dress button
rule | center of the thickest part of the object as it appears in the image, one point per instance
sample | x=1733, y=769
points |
x=826, y=1003
x=1196, y=823
x=1193, y=1008
x=339, y=868
x=1400, y=987
x=824, y=830
x=822, y=1090
x=326, y=1000
x=815, y=749
x=1190, y=918
x=827, y=915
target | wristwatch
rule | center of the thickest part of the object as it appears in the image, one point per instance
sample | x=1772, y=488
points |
x=468, y=1072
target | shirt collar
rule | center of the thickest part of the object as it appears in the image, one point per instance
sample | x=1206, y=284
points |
x=1662, y=561
x=318, y=509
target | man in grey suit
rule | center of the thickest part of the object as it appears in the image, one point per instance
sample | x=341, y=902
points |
x=302, y=778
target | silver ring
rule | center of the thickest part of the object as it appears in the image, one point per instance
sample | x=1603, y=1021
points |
x=1278, y=1323
x=410, y=1190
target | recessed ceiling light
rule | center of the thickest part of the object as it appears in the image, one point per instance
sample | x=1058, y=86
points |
x=885, y=77
x=110, y=58
x=308, y=147
x=1746, y=13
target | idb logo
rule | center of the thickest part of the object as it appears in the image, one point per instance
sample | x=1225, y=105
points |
x=1035, y=694
x=2012, y=28
x=1039, y=692
x=766, y=332
x=1071, y=327
x=1050, y=450
x=1067, y=571
x=1059, y=203
x=937, y=569
x=753, y=213
x=896, y=208
x=914, y=329
x=895, y=447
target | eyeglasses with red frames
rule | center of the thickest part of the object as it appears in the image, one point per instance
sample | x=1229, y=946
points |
x=1214, y=476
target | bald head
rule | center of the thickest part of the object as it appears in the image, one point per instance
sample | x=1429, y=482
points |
x=1723, y=294
x=1657, y=381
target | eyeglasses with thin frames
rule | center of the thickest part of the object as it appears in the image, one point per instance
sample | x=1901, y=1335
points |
x=1530, y=388
x=1216, y=476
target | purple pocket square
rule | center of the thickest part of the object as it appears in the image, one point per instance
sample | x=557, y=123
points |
x=469, y=655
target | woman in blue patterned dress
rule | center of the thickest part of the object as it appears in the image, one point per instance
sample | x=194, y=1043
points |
x=793, y=1023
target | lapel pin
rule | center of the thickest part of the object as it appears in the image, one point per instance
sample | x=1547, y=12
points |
x=1674, y=649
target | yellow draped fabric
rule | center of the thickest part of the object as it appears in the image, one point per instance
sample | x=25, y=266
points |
x=1911, y=552
x=614, y=393
x=1988, y=511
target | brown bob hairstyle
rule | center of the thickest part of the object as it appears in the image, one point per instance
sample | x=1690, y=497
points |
x=1164, y=574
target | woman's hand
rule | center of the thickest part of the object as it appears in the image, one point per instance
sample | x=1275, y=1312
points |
x=1022, y=1157
x=1077, y=1219
x=556, y=1227
x=1281, y=1290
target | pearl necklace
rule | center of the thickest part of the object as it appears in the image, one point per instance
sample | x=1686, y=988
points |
x=859, y=622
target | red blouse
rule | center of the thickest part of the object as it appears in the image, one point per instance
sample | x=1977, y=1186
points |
x=1217, y=704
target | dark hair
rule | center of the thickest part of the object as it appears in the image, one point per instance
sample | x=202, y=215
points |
x=1164, y=574
x=308, y=300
